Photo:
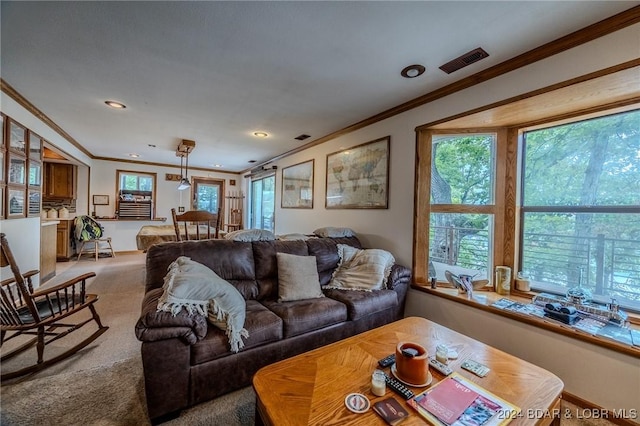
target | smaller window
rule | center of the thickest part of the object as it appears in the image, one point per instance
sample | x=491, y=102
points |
x=135, y=194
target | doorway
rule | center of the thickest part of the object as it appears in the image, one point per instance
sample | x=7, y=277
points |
x=263, y=202
x=207, y=194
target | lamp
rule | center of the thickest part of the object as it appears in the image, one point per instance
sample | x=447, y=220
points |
x=183, y=151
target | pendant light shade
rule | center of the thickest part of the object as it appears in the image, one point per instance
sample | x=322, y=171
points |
x=183, y=151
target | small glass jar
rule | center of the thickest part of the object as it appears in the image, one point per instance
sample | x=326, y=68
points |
x=442, y=354
x=378, y=383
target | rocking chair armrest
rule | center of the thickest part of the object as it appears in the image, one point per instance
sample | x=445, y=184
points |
x=27, y=275
x=68, y=283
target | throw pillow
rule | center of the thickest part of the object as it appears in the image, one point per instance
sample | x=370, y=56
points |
x=297, y=277
x=250, y=235
x=361, y=269
x=293, y=237
x=333, y=232
x=193, y=286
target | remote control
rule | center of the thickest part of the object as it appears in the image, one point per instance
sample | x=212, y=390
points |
x=442, y=368
x=387, y=361
x=398, y=387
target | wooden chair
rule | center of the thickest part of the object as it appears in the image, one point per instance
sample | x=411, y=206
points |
x=197, y=218
x=93, y=244
x=235, y=220
x=24, y=311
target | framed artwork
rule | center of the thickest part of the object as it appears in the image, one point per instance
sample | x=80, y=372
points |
x=35, y=173
x=358, y=177
x=101, y=200
x=15, y=202
x=34, y=203
x=297, y=186
x=17, y=137
x=35, y=146
x=17, y=170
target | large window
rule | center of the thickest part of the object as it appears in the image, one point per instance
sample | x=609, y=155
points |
x=580, y=207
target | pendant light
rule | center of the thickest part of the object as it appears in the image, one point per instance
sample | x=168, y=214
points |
x=184, y=181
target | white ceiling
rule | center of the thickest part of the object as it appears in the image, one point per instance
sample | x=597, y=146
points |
x=215, y=72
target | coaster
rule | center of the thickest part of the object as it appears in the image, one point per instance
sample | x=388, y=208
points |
x=427, y=383
x=357, y=402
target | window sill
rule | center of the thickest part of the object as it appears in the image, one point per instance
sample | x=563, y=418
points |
x=483, y=300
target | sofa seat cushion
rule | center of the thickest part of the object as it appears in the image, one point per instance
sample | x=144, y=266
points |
x=302, y=316
x=363, y=303
x=263, y=326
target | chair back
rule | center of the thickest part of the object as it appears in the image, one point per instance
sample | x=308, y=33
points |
x=87, y=229
x=192, y=221
x=14, y=292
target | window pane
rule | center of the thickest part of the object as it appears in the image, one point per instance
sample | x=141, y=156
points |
x=581, y=205
x=460, y=243
x=462, y=170
x=608, y=254
x=587, y=163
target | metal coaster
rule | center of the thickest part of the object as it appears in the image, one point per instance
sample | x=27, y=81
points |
x=357, y=402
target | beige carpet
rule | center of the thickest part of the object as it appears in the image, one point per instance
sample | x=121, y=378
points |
x=103, y=384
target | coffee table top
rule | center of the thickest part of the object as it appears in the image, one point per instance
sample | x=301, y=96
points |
x=310, y=388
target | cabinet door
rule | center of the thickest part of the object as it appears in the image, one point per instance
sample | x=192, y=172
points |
x=61, y=180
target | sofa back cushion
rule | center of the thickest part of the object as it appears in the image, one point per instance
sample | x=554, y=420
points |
x=264, y=253
x=231, y=260
x=326, y=252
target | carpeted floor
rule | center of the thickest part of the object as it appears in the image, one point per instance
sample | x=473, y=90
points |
x=103, y=383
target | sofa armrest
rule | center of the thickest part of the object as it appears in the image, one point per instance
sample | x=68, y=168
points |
x=156, y=325
x=399, y=275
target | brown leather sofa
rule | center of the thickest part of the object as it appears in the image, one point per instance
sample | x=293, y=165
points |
x=187, y=361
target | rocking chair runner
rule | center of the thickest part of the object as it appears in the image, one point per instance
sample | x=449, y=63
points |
x=27, y=312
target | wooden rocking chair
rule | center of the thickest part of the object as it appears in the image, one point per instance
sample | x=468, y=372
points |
x=27, y=312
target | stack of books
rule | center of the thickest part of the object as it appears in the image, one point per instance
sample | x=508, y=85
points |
x=456, y=401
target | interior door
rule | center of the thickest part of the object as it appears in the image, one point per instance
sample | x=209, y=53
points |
x=207, y=194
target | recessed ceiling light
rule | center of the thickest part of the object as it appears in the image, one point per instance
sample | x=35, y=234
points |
x=134, y=155
x=252, y=161
x=115, y=104
x=217, y=165
x=413, y=71
x=260, y=134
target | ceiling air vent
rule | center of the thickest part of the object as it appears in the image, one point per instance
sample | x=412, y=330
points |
x=467, y=59
x=302, y=137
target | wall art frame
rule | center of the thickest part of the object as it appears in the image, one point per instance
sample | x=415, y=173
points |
x=358, y=177
x=297, y=186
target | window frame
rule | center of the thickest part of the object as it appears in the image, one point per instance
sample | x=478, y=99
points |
x=424, y=208
x=154, y=176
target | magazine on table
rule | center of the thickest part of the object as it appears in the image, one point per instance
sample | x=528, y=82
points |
x=456, y=401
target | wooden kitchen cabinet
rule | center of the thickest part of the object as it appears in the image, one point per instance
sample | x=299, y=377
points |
x=48, y=255
x=65, y=249
x=60, y=180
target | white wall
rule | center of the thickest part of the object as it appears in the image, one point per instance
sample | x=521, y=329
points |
x=123, y=233
x=599, y=375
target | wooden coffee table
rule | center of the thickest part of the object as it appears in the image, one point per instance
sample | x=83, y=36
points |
x=309, y=389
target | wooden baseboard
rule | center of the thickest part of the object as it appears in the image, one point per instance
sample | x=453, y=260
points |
x=589, y=411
